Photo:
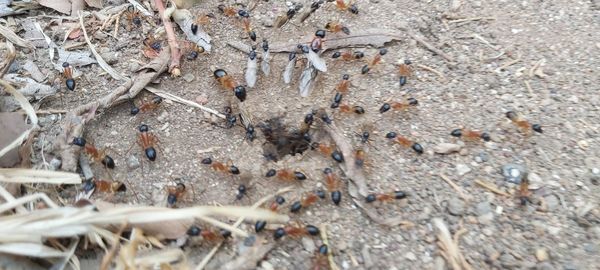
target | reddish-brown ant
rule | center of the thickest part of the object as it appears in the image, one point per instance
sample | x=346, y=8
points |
x=348, y=55
x=228, y=10
x=359, y=158
x=228, y=83
x=306, y=201
x=404, y=70
x=147, y=106
x=190, y=50
x=522, y=124
x=68, y=74
x=328, y=150
x=176, y=192
x=246, y=22
x=260, y=225
x=399, y=106
x=316, y=44
x=346, y=108
x=320, y=262
x=342, y=87
x=105, y=186
x=470, y=135
x=286, y=174
x=342, y=5
x=386, y=197
x=211, y=235
x=333, y=183
x=95, y=154
x=133, y=16
x=152, y=47
x=336, y=27
x=221, y=167
x=200, y=20
x=405, y=142
x=296, y=232
x=147, y=141
x=524, y=193
x=376, y=60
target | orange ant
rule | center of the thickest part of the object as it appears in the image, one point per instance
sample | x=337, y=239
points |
x=333, y=183
x=359, y=158
x=175, y=192
x=211, y=235
x=316, y=44
x=342, y=87
x=68, y=74
x=147, y=141
x=286, y=174
x=228, y=10
x=227, y=82
x=376, y=60
x=260, y=225
x=152, y=47
x=341, y=4
x=524, y=193
x=386, y=197
x=345, y=108
x=246, y=22
x=191, y=50
x=320, y=261
x=296, y=232
x=201, y=20
x=147, y=106
x=348, y=55
x=220, y=167
x=405, y=70
x=335, y=27
x=405, y=142
x=399, y=106
x=523, y=125
x=306, y=201
x=133, y=16
x=94, y=153
x=328, y=150
x=104, y=186
x=470, y=135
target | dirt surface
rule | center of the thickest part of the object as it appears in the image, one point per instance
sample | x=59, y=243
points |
x=560, y=230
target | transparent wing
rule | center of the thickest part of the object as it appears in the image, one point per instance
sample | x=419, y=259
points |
x=251, y=72
x=317, y=61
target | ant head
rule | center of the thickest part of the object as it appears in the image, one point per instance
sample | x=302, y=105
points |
x=320, y=193
x=143, y=128
x=157, y=100
x=345, y=77
x=354, y=9
x=312, y=230
x=399, y=195
x=359, y=110
x=292, y=56
x=359, y=55
x=486, y=137
x=299, y=176
x=79, y=141
x=206, y=161
x=336, y=55
x=265, y=45
x=108, y=161
x=457, y=133
x=220, y=73
x=537, y=128
x=252, y=35
x=327, y=170
x=365, y=69
x=418, y=148
x=252, y=55
x=323, y=250
x=309, y=118
x=383, y=51
x=366, y=134
x=240, y=93
x=65, y=65
x=243, y=13
x=304, y=48
x=242, y=188
x=234, y=170
x=279, y=200
x=371, y=198
x=413, y=102
x=135, y=110
x=511, y=115
x=320, y=33
x=385, y=107
x=391, y=135
x=194, y=231
x=407, y=62
x=271, y=173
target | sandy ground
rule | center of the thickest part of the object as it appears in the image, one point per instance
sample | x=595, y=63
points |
x=558, y=37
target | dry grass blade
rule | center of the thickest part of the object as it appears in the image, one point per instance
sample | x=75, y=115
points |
x=113, y=73
x=458, y=189
x=30, y=113
x=31, y=250
x=332, y=264
x=8, y=59
x=449, y=246
x=12, y=37
x=38, y=176
x=175, y=98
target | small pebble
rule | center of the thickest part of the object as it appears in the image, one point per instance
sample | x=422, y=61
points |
x=308, y=244
x=133, y=162
x=188, y=77
x=541, y=254
x=410, y=256
x=456, y=207
x=513, y=173
x=483, y=208
x=202, y=99
x=446, y=148
x=462, y=169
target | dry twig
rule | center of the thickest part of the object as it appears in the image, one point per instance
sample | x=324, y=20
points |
x=490, y=187
x=175, y=98
x=174, y=66
x=449, y=246
x=458, y=189
x=427, y=45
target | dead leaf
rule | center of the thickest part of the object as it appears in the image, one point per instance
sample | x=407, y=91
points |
x=369, y=37
x=62, y=6
x=14, y=38
x=76, y=33
x=12, y=125
x=94, y=3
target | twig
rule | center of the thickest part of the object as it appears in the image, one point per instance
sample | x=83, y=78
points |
x=140, y=8
x=439, y=74
x=428, y=45
x=175, y=98
x=174, y=68
x=480, y=38
x=472, y=19
x=528, y=86
x=460, y=191
x=113, y=73
x=510, y=63
x=325, y=240
x=262, y=201
x=490, y=187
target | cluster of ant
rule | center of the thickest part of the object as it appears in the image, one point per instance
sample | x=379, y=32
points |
x=279, y=140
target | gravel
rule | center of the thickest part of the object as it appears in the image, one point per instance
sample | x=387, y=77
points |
x=513, y=173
